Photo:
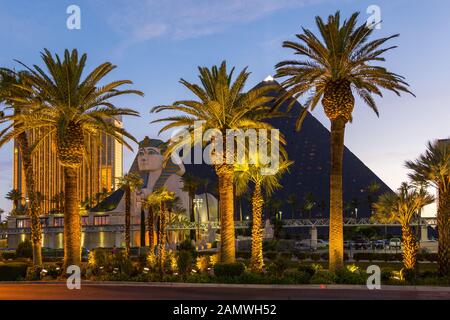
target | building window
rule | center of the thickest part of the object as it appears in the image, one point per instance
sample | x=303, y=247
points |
x=85, y=220
x=100, y=220
x=58, y=222
x=44, y=222
x=22, y=223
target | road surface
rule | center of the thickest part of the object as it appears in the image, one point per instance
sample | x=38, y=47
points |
x=146, y=291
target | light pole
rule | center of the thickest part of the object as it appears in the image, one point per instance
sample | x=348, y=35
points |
x=197, y=205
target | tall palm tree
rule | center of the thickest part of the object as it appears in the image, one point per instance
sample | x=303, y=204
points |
x=129, y=183
x=191, y=183
x=15, y=196
x=223, y=105
x=10, y=83
x=336, y=66
x=434, y=167
x=59, y=102
x=163, y=196
x=269, y=182
x=402, y=207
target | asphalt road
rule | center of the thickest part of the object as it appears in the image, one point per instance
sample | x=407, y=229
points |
x=144, y=291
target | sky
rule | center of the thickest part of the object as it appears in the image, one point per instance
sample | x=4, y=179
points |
x=154, y=43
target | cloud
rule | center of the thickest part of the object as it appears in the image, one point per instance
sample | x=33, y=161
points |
x=182, y=19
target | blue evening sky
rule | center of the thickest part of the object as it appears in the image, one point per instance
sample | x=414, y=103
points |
x=155, y=42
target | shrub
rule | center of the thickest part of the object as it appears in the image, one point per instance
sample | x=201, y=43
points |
x=278, y=266
x=298, y=277
x=202, y=263
x=171, y=264
x=184, y=262
x=121, y=264
x=345, y=276
x=307, y=269
x=302, y=255
x=229, y=269
x=271, y=255
x=408, y=274
x=270, y=245
x=98, y=258
x=186, y=245
x=251, y=278
x=315, y=256
x=386, y=274
x=286, y=255
x=8, y=255
x=24, y=249
x=323, y=277
x=13, y=271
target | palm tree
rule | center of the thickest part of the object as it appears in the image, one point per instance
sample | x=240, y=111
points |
x=163, y=196
x=191, y=183
x=402, y=207
x=10, y=83
x=73, y=110
x=269, y=182
x=15, y=196
x=58, y=200
x=308, y=204
x=222, y=105
x=150, y=203
x=371, y=191
x=337, y=65
x=129, y=183
x=434, y=167
x=292, y=199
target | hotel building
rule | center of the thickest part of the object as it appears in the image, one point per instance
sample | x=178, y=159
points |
x=103, y=164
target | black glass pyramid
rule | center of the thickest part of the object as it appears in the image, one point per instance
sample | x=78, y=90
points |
x=309, y=175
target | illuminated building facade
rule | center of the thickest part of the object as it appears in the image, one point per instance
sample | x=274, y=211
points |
x=103, y=164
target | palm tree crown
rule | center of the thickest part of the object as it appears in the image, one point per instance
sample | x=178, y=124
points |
x=59, y=101
x=402, y=205
x=337, y=64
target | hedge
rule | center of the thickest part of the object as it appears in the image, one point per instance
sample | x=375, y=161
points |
x=229, y=269
x=13, y=271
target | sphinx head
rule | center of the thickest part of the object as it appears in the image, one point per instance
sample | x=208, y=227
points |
x=151, y=156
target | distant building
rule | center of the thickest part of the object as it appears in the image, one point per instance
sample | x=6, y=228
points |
x=98, y=173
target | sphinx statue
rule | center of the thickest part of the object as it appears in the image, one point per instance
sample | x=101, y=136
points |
x=149, y=163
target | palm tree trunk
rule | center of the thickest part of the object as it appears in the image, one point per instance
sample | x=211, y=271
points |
x=36, y=228
x=336, y=249
x=257, y=261
x=142, y=228
x=127, y=219
x=150, y=227
x=162, y=239
x=227, y=245
x=443, y=226
x=72, y=223
x=410, y=247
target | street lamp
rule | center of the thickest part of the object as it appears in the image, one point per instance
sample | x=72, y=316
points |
x=197, y=205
